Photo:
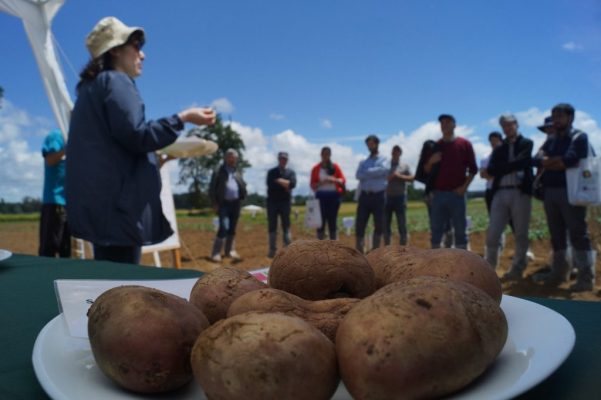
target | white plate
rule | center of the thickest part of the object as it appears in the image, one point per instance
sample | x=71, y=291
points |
x=4, y=254
x=539, y=341
x=190, y=147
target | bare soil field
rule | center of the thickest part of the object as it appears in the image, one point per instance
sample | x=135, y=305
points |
x=197, y=237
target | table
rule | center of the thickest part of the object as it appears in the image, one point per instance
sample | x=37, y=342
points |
x=28, y=302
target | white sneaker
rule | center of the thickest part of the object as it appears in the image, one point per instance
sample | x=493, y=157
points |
x=216, y=258
x=530, y=256
x=234, y=255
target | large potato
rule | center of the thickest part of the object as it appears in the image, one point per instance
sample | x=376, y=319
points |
x=258, y=356
x=141, y=337
x=386, y=260
x=422, y=338
x=325, y=315
x=321, y=269
x=398, y=263
x=214, y=292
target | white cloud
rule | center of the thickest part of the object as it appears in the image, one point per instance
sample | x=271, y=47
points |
x=277, y=117
x=326, y=123
x=21, y=165
x=21, y=168
x=223, y=105
x=572, y=46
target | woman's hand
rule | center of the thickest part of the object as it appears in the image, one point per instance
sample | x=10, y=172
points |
x=198, y=116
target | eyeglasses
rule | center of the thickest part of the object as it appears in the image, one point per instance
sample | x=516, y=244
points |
x=136, y=44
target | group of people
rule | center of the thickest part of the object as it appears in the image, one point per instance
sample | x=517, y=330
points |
x=227, y=189
x=510, y=180
x=113, y=182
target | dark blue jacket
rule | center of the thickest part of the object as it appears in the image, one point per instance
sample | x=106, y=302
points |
x=276, y=192
x=570, y=151
x=500, y=165
x=113, y=182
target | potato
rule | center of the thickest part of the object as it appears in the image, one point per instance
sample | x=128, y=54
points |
x=325, y=315
x=141, y=337
x=386, y=260
x=214, y=292
x=421, y=338
x=321, y=269
x=397, y=263
x=258, y=356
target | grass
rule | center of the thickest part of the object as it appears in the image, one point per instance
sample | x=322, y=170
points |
x=417, y=217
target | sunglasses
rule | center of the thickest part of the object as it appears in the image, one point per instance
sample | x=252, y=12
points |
x=136, y=44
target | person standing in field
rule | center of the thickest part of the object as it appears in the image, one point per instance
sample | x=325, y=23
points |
x=328, y=183
x=280, y=182
x=396, y=196
x=55, y=236
x=495, y=139
x=226, y=191
x=430, y=147
x=113, y=182
x=563, y=150
x=458, y=167
x=511, y=168
x=372, y=174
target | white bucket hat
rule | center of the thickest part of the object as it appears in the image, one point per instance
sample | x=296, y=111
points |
x=108, y=33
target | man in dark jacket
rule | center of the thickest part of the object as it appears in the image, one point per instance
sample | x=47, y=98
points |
x=226, y=190
x=511, y=167
x=280, y=182
x=562, y=150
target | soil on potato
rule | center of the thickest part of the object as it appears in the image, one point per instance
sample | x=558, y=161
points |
x=251, y=243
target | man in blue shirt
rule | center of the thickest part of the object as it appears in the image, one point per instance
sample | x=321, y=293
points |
x=55, y=237
x=226, y=191
x=372, y=174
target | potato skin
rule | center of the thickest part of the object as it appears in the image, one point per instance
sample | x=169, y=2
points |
x=398, y=263
x=387, y=259
x=259, y=356
x=422, y=338
x=214, y=292
x=321, y=269
x=325, y=315
x=141, y=337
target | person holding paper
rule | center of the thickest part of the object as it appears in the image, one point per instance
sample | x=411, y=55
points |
x=328, y=183
x=113, y=183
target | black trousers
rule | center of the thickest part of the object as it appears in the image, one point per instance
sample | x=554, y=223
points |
x=55, y=237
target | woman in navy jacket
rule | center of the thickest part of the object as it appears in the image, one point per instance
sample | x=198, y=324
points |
x=113, y=182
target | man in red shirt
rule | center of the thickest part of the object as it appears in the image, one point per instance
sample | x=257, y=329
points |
x=457, y=168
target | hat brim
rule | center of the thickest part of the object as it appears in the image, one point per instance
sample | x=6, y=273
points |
x=544, y=128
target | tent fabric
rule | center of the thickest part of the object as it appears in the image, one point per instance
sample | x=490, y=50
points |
x=37, y=18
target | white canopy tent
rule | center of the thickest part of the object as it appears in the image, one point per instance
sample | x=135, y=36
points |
x=37, y=16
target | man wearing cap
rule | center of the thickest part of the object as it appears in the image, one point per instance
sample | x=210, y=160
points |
x=226, y=190
x=560, y=151
x=372, y=175
x=458, y=167
x=280, y=182
x=113, y=182
x=511, y=168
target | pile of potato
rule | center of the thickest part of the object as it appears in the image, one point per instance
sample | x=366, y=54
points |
x=400, y=323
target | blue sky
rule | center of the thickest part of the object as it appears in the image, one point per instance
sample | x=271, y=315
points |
x=296, y=75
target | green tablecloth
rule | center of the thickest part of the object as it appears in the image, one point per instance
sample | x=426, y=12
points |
x=28, y=302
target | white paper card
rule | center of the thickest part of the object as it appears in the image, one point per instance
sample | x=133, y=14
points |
x=76, y=296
